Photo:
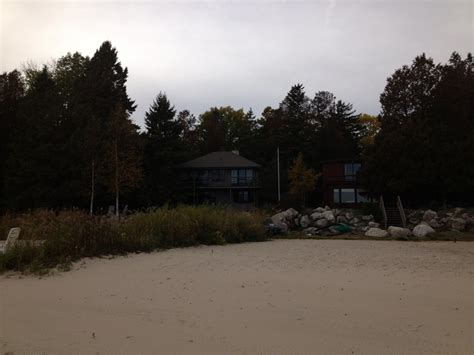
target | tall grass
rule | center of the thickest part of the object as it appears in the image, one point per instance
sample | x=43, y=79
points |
x=70, y=235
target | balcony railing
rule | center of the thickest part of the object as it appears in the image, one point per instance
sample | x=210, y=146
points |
x=233, y=182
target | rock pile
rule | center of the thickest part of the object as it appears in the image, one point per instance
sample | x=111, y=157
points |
x=457, y=220
x=321, y=221
x=327, y=221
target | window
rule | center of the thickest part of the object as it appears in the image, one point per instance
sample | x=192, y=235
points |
x=243, y=196
x=344, y=195
x=347, y=195
x=350, y=171
x=217, y=175
x=242, y=176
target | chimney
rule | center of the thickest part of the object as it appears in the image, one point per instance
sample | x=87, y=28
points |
x=235, y=152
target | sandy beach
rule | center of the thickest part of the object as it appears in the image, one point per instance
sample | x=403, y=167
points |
x=278, y=297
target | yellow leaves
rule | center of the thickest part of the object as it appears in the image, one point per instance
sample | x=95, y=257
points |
x=302, y=179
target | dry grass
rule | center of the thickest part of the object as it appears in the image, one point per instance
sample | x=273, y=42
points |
x=70, y=235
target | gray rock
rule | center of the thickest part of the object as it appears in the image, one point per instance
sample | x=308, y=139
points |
x=296, y=221
x=334, y=231
x=285, y=216
x=327, y=208
x=354, y=220
x=319, y=209
x=422, y=230
x=329, y=216
x=398, y=232
x=374, y=224
x=414, y=220
x=376, y=233
x=429, y=215
x=341, y=219
x=349, y=215
x=368, y=218
x=316, y=215
x=311, y=231
x=458, y=224
x=321, y=223
x=277, y=228
x=434, y=223
x=305, y=221
x=458, y=211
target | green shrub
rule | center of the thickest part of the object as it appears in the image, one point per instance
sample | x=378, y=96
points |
x=70, y=235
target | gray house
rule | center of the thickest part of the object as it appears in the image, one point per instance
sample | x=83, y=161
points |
x=219, y=178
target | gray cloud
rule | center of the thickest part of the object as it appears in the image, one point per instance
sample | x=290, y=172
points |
x=244, y=54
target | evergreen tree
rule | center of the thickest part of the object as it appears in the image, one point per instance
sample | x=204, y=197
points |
x=102, y=90
x=33, y=167
x=12, y=90
x=163, y=150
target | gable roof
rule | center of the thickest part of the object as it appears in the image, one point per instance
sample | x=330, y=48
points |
x=219, y=160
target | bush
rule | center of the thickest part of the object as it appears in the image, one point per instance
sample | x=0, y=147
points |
x=70, y=235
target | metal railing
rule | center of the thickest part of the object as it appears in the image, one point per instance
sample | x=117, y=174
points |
x=384, y=213
x=402, y=212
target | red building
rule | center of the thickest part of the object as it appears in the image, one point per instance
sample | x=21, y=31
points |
x=340, y=184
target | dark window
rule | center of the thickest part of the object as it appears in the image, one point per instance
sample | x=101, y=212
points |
x=348, y=196
x=350, y=171
x=243, y=196
x=243, y=176
x=217, y=175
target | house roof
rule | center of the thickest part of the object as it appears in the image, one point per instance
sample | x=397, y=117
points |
x=219, y=160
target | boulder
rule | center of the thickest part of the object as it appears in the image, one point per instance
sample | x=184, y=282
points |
x=354, y=220
x=376, y=233
x=422, y=230
x=434, y=223
x=285, y=216
x=341, y=219
x=316, y=215
x=327, y=208
x=458, y=224
x=398, y=232
x=349, y=215
x=321, y=223
x=296, y=221
x=368, y=218
x=413, y=220
x=429, y=215
x=319, y=209
x=305, y=221
x=277, y=228
x=329, y=216
x=458, y=211
x=311, y=231
x=374, y=225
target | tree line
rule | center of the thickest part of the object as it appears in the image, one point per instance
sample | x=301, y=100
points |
x=68, y=140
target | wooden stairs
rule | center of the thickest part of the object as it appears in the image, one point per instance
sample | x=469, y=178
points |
x=393, y=212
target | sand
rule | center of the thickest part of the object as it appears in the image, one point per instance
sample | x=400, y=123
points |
x=278, y=297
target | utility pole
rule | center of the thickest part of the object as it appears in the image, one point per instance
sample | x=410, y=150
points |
x=278, y=167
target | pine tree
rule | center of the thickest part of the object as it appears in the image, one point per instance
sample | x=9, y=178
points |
x=101, y=90
x=33, y=167
x=12, y=90
x=163, y=149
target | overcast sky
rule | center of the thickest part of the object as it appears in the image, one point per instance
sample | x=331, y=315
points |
x=241, y=53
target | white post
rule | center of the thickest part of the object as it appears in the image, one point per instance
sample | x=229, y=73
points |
x=278, y=167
